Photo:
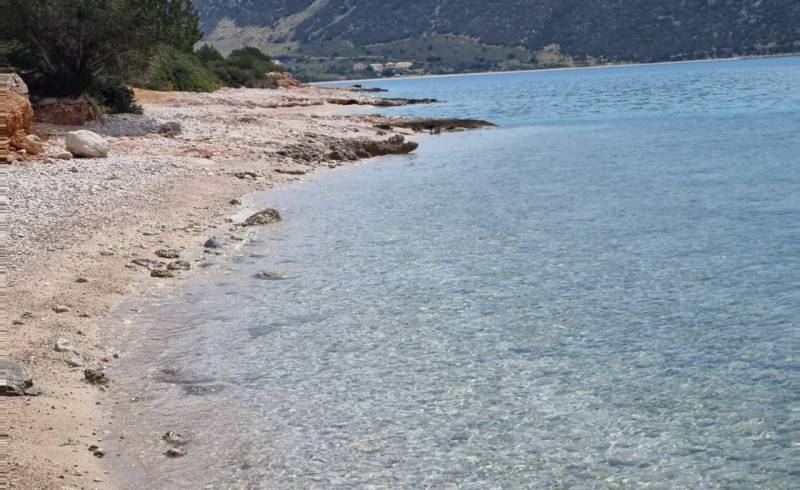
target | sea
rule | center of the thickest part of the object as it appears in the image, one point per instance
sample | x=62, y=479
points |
x=602, y=292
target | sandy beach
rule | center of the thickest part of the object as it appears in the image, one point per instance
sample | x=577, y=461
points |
x=76, y=226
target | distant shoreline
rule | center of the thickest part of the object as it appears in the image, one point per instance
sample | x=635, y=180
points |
x=566, y=68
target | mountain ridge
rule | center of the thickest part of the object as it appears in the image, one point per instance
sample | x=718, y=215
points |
x=465, y=35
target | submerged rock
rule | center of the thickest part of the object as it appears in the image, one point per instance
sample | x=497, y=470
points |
x=16, y=380
x=179, y=265
x=265, y=217
x=272, y=276
x=161, y=273
x=211, y=243
x=96, y=375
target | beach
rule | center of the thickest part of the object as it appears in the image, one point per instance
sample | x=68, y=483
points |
x=76, y=225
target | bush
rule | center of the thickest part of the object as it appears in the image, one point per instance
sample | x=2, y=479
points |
x=208, y=54
x=171, y=69
x=118, y=99
x=244, y=67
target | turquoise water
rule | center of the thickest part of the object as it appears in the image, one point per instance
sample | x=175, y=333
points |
x=601, y=293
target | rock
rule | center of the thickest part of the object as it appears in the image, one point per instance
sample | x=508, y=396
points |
x=246, y=175
x=75, y=362
x=161, y=274
x=81, y=280
x=15, y=380
x=19, y=114
x=432, y=125
x=175, y=452
x=265, y=217
x=272, y=276
x=64, y=345
x=235, y=202
x=99, y=452
x=30, y=143
x=65, y=112
x=168, y=253
x=179, y=265
x=96, y=375
x=290, y=172
x=61, y=309
x=211, y=243
x=150, y=264
x=172, y=437
x=87, y=144
x=278, y=79
x=170, y=129
x=64, y=155
x=18, y=85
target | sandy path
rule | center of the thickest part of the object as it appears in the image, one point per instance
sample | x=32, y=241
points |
x=88, y=219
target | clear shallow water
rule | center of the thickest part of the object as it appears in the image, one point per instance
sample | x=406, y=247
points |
x=601, y=293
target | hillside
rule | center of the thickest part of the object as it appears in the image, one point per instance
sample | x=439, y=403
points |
x=462, y=35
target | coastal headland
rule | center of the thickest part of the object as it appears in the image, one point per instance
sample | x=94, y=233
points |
x=85, y=231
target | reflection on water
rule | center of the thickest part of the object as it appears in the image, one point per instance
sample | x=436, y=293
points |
x=603, y=293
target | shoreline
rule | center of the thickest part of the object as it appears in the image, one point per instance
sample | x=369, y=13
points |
x=78, y=224
x=549, y=70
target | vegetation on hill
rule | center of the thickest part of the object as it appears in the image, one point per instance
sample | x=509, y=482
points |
x=466, y=35
x=70, y=48
x=67, y=48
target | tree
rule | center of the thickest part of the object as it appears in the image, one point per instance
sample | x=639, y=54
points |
x=67, y=47
x=208, y=54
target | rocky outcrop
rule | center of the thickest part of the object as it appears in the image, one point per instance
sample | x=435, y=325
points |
x=66, y=112
x=31, y=143
x=19, y=115
x=396, y=145
x=431, y=125
x=380, y=102
x=282, y=80
x=87, y=144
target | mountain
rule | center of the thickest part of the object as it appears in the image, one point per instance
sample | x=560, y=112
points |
x=464, y=35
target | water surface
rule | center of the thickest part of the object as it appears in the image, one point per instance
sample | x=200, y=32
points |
x=601, y=293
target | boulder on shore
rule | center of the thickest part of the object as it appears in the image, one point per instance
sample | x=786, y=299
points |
x=87, y=144
x=16, y=380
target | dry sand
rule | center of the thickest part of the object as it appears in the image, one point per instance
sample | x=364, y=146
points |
x=87, y=219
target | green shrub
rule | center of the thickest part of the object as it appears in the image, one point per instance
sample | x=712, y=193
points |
x=171, y=69
x=117, y=99
x=244, y=67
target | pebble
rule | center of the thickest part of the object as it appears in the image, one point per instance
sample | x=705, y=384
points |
x=75, y=362
x=64, y=345
x=61, y=309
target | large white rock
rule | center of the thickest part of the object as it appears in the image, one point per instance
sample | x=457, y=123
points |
x=87, y=144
